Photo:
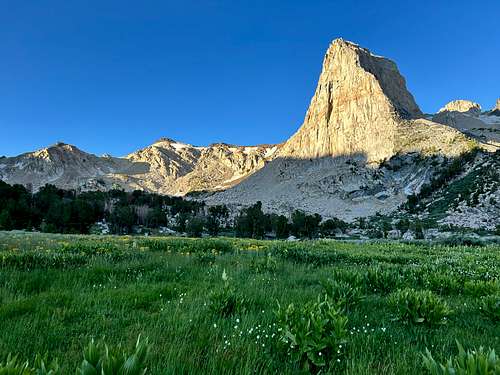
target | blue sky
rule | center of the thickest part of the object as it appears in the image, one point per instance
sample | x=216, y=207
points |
x=113, y=76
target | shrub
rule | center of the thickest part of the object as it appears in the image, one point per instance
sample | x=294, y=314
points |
x=490, y=307
x=454, y=241
x=205, y=258
x=345, y=295
x=419, y=307
x=313, y=335
x=471, y=362
x=441, y=283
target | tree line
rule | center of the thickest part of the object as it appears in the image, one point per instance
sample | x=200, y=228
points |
x=56, y=210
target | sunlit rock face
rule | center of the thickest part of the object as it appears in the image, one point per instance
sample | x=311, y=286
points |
x=359, y=101
x=464, y=106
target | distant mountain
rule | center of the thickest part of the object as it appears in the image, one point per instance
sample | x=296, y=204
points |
x=363, y=148
x=179, y=168
x=62, y=165
x=166, y=167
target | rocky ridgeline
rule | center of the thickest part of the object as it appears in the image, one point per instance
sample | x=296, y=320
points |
x=363, y=147
x=166, y=167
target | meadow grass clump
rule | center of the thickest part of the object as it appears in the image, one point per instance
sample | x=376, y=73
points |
x=441, y=283
x=98, y=359
x=313, y=335
x=189, y=245
x=418, y=307
x=381, y=280
x=226, y=301
x=30, y=260
x=262, y=264
x=205, y=258
x=490, y=307
x=480, y=288
x=343, y=293
x=470, y=362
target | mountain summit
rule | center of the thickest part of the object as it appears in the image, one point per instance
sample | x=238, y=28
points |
x=359, y=101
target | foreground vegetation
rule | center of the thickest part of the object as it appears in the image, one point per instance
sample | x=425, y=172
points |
x=226, y=306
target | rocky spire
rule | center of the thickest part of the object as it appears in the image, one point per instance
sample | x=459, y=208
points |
x=358, y=103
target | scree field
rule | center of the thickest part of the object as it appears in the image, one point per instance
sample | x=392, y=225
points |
x=227, y=306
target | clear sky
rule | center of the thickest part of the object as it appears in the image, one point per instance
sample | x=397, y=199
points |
x=113, y=76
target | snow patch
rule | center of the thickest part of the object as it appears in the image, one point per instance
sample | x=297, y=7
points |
x=180, y=146
x=270, y=152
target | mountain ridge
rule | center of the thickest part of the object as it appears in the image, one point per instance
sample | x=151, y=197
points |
x=361, y=119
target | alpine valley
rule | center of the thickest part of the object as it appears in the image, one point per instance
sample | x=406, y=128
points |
x=364, y=148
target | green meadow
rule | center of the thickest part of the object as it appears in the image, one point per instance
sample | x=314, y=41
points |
x=233, y=306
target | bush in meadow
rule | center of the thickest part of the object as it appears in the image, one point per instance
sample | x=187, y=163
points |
x=226, y=301
x=419, y=307
x=341, y=292
x=313, y=335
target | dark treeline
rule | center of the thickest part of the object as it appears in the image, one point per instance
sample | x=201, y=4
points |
x=56, y=210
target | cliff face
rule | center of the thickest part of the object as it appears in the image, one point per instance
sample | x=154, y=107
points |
x=359, y=101
x=496, y=111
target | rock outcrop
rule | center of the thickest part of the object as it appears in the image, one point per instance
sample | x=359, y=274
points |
x=359, y=101
x=464, y=106
x=466, y=116
x=496, y=111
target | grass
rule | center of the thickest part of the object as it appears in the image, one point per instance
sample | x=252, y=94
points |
x=58, y=292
